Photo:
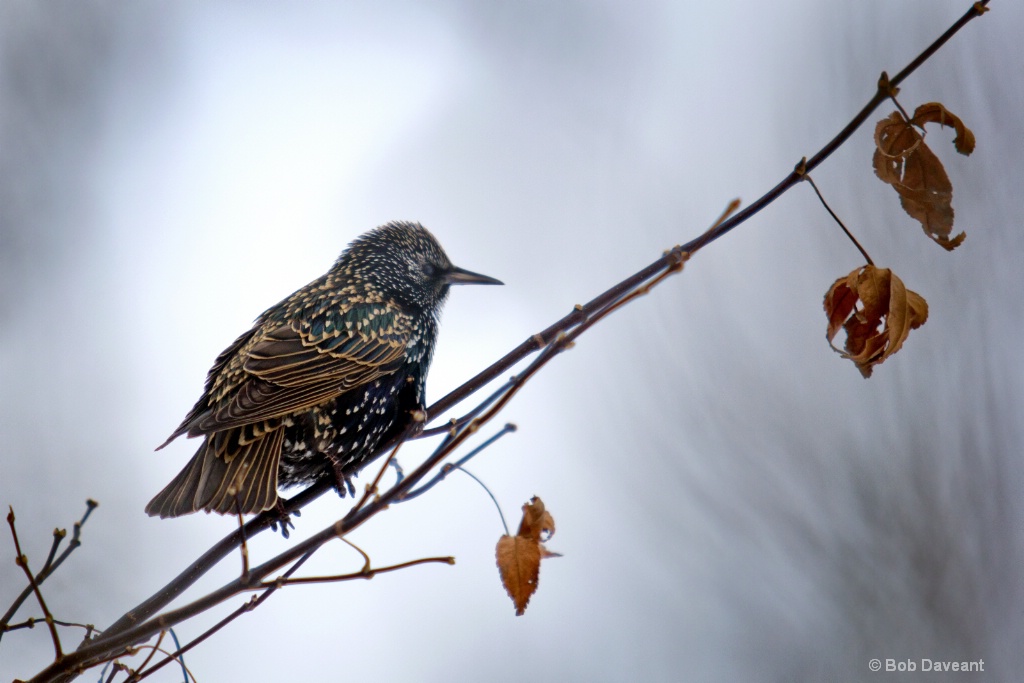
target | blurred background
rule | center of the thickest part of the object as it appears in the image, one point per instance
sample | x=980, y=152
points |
x=733, y=500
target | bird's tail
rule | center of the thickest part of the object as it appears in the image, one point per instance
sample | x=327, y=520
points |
x=224, y=476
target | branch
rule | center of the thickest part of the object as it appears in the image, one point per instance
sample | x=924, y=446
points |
x=22, y=561
x=248, y=606
x=50, y=566
x=366, y=572
x=443, y=474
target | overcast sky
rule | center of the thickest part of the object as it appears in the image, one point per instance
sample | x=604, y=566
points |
x=734, y=502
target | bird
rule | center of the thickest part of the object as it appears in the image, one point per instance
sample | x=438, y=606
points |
x=321, y=380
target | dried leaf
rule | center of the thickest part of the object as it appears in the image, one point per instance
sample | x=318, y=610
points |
x=877, y=312
x=934, y=112
x=519, y=565
x=519, y=556
x=903, y=160
x=537, y=522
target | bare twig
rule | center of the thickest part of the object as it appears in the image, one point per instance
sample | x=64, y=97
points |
x=58, y=537
x=138, y=674
x=440, y=476
x=245, y=546
x=211, y=557
x=366, y=558
x=22, y=561
x=115, y=668
x=32, y=621
x=367, y=572
x=152, y=652
x=249, y=605
x=455, y=424
x=51, y=565
x=135, y=674
x=891, y=91
x=489, y=493
x=836, y=218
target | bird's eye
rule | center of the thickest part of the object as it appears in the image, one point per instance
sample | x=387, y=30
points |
x=429, y=269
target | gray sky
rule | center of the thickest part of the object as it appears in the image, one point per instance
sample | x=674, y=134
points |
x=734, y=502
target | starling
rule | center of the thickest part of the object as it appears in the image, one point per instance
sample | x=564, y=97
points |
x=321, y=380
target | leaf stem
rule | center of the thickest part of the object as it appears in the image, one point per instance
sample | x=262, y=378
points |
x=832, y=213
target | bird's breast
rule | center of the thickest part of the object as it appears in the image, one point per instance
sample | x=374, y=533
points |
x=347, y=430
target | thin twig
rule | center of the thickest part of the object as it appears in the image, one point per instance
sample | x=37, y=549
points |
x=890, y=90
x=366, y=558
x=440, y=476
x=58, y=537
x=367, y=572
x=269, y=587
x=832, y=213
x=455, y=424
x=32, y=621
x=152, y=653
x=355, y=517
x=50, y=566
x=489, y=493
x=249, y=605
x=115, y=667
x=22, y=561
x=245, y=545
x=135, y=675
x=211, y=557
x=28, y=623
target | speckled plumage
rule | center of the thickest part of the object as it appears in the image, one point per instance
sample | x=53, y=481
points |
x=322, y=378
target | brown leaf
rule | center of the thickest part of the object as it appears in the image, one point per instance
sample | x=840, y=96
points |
x=519, y=556
x=903, y=160
x=934, y=112
x=537, y=521
x=876, y=310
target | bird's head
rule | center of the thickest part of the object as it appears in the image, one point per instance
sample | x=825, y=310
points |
x=404, y=262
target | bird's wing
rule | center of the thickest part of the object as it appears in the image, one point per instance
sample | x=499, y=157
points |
x=300, y=364
x=223, y=360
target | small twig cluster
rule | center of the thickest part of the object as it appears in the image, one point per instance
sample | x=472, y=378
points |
x=35, y=581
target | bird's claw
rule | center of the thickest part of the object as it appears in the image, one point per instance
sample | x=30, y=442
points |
x=283, y=518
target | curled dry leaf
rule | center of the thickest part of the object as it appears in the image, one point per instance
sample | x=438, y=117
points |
x=903, y=159
x=935, y=112
x=519, y=556
x=876, y=310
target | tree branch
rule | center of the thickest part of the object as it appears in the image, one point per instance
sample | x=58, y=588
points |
x=51, y=565
x=22, y=561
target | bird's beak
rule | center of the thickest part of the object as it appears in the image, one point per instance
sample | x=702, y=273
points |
x=460, y=276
